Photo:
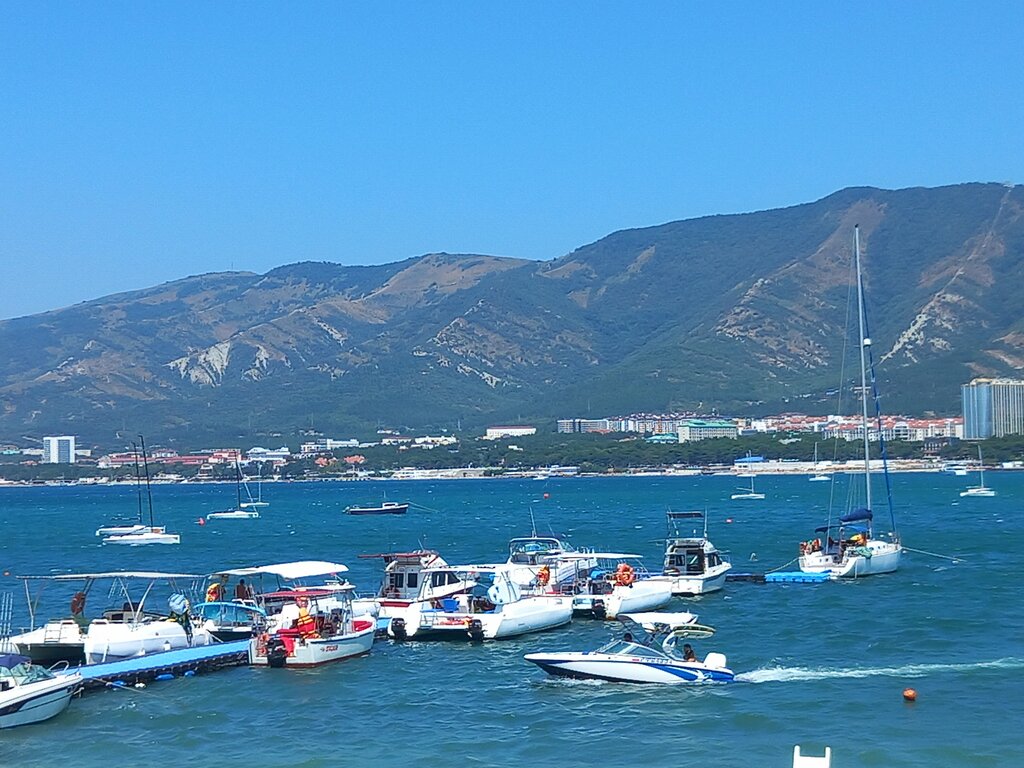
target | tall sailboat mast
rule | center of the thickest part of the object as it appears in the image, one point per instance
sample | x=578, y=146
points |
x=864, y=344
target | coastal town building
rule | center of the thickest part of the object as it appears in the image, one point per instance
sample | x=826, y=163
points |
x=706, y=429
x=59, y=450
x=573, y=426
x=274, y=456
x=496, y=433
x=993, y=408
x=326, y=445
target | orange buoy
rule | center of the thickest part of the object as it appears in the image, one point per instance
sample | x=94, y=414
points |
x=909, y=694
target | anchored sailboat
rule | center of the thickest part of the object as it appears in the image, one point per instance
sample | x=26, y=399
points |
x=981, y=489
x=851, y=548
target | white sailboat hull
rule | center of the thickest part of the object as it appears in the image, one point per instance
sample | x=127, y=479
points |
x=855, y=562
x=36, y=702
x=978, y=491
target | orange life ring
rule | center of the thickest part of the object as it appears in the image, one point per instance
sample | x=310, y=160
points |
x=77, y=603
x=624, y=575
x=543, y=576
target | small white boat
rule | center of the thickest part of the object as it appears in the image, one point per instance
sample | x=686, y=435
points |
x=980, y=490
x=617, y=584
x=314, y=626
x=233, y=514
x=140, y=535
x=124, y=630
x=647, y=652
x=749, y=495
x=818, y=477
x=481, y=602
x=30, y=693
x=693, y=565
x=149, y=535
x=401, y=583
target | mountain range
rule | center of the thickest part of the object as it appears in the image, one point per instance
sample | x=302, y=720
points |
x=739, y=314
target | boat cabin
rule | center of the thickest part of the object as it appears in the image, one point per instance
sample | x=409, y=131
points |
x=536, y=550
x=402, y=572
x=690, y=557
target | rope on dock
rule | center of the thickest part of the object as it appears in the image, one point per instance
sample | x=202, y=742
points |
x=951, y=558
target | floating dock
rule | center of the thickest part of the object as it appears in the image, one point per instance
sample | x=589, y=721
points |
x=177, y=663
x=780, y=577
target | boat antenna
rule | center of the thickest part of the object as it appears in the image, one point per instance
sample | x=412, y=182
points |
x=138, y=477
x=149, y=491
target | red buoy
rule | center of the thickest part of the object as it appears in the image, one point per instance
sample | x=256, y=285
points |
x=909, y=694
x=201, y=521
x=547, y=495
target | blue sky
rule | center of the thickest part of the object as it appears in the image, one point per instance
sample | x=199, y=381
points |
x=143, y=142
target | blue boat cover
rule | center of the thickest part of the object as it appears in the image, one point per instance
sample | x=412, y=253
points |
x=857, y=514
x=11, y=660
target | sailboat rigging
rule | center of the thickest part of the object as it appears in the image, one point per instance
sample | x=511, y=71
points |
x=144, y=534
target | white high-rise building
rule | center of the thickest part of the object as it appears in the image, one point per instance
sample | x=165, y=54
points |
x=59, y=450
x=993, y=408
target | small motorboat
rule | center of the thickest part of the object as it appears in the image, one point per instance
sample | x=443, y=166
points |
x=692, y=563
x=386, y=508
x=647, y=652
x=30, y=693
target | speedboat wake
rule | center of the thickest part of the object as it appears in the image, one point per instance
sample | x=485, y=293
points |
x=798, y=674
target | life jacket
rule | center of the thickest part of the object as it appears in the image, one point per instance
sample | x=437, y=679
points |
x=306, y=624
x=214, y=592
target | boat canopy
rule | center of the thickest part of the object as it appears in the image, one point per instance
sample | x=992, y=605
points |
x=397, y=555
x=301, y=569
x=314, y=592
x=152, y=575
x=11, y=660
x=856, y=516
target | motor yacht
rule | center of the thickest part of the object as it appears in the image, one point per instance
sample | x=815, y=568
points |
x=30, y=693
x=693, y=564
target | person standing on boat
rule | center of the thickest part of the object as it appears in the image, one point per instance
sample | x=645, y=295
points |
x=243, y=591
x=306, y=624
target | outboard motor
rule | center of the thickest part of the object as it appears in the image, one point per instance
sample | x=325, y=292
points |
x=599, y=609
x=277, y=652
x=397, y=629
x=476, y=630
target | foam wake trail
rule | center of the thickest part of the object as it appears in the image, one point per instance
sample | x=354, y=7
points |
x=791, y=674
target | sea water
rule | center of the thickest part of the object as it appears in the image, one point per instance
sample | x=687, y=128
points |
x=818, y=664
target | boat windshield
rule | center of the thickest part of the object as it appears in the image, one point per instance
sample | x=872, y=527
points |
x=21, y=674
x=528, y=551
x=630, y=648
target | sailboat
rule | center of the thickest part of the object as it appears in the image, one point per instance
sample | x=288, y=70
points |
x=149, y=534
x=242, y=510
x=751, y=494
x=855, y=550
x=818, y=477
x=121, y=528
x=258, y=501
x=981, y=489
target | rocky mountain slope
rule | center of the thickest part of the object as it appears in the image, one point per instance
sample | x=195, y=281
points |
x=742, y=313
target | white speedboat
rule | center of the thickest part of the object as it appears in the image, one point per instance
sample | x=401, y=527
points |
x=693, y=565
x=647, y=652
x=30, y=693
x=856, y=550
x=314, y=626
x=980, y=490
x=617, y=584
x=533, y=552
x=476, y=601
